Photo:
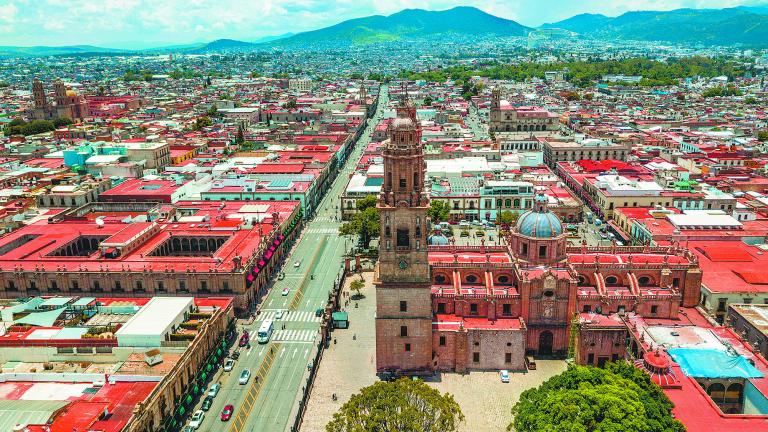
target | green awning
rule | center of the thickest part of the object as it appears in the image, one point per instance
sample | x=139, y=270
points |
x=208, y=367
x=188, y=399
x=196, y=389
x=182, y=410
x=203, y=376
x=218, y=352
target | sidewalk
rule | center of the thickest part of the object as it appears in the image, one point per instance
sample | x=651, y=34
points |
x=348, y=365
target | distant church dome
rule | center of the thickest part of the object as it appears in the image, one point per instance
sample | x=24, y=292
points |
x=437, y=238
x=71, y=93
x=539, y=222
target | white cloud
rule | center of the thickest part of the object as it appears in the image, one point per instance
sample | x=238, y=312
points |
x=104, y=22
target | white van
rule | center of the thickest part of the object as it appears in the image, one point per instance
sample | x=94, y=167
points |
x=265, y=331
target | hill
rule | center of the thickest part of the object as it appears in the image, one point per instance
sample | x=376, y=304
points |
x=706, y=26
x=410, y=24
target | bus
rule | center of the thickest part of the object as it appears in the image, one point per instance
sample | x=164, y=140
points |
x=265, y=331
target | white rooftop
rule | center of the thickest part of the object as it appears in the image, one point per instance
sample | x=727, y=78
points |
x=155, y=317
x=704, y=219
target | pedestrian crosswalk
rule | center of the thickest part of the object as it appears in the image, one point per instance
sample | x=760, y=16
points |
x=322, y=230
x=296, y=336
x=325, y=219
x=294, y=316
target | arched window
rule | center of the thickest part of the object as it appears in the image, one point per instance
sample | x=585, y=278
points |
x=549, y=293
x=508, y=203
x=440, y=279
x=583, y=281
x=517, y=203
x=503, y=279
x=611, y=280
x=644, y=281
x=471, y=278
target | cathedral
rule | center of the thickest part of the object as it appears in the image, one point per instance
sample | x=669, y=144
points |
x=444, y=307
x=503, y=117
x=67, y=103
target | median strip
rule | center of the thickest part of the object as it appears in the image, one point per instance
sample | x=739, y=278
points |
x=300, y=291
x=255, y=388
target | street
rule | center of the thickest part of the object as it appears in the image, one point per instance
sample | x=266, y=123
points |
x=279, y=366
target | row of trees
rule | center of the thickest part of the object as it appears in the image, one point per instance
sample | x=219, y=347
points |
x=18, y=126
x=365, y=223
x=717, y=91
x=583, y=73
x=618, y=397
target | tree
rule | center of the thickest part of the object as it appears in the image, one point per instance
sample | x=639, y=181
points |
x=365, y=222
x=202, y=122
x=762, y=135
x=506, y=218
x=212, y=111
x=438, y=211
x=618, y=397
x=61, y=121
x=240, y=137
x=750, y=100
x=356, y=286
x=428, y=101
x=291, y=104
x=404, y=405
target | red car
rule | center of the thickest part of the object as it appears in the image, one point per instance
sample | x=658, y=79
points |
x=244, y=339
x=226, y=414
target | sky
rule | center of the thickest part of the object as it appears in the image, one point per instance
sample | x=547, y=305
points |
x=152, y=23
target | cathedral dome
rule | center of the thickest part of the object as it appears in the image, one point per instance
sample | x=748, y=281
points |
x=539, y=222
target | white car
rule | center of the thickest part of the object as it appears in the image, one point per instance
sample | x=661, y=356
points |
x=214, y=390
x=229, y=365
x=504, y=375
x=197, y=419
x=245, y=377
x=297, y=264
x=279, y=314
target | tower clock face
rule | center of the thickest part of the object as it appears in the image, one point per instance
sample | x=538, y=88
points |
x=403, y=264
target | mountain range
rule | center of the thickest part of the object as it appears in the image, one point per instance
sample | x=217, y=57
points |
x=738, y=25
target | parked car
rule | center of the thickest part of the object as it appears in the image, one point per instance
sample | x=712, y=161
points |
x=245, y=376
x=244, y=340
x=281, y=276
x=479, y=233
x=297, y=264
x=465, y=233
x=197, y=419
x=226, y=413
x=504, y=375
x=319, y=312
x=229, y=364
x=236, y=354
x=530, y=363
x=285, y=291
x=279, y=314
x=214, y=390
x=188, y=429
x=207, y=402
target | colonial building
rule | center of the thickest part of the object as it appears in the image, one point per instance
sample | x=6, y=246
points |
x=448, y=307
x=67, y=103
x=504, y=117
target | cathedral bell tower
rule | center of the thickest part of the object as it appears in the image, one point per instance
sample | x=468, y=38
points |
x=404, y=304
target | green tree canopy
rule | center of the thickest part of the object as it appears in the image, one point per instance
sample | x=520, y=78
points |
x=438, y=211
x=365, y=222
x=202, y=122
x=619, y=397
x=402, y=406
x=507, y=218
